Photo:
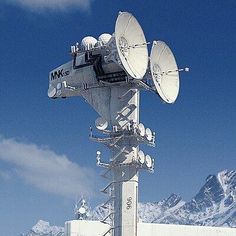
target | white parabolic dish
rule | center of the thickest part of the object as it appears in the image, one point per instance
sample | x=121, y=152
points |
x=148, y=134
x=131, y=45
x=164, y=71
x=101, y=124
x=148, y=161
x=51, y=91
x=141, y=129
x=141, y=157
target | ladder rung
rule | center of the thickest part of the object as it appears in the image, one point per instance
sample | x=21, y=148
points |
x=104, y=190
x=108, y=231
x=104, y=220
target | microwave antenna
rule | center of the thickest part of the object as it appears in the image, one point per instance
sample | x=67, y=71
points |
x=109, y=74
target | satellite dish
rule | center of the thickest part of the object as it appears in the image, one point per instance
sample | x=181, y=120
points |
x=51, y=91
x=148, y=161
x=82, y=210
x=101, y=123
x=58, y=85
x=164, y=71
x=141, y=129
x=148, y=134
x=88, y=43
x=104, y=38
x=59, y=92
x=131, y=45
x=141, y=157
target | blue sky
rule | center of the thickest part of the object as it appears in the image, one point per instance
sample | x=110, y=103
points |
x=46, y=159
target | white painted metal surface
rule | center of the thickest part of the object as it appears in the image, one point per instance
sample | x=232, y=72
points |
x=101, y=123
x=109, y=75
x=104, y=38
x=145, y=229
x=85, y=228
x=131, y=45
x=88, y=43
x=96, y=228
x=164, y=71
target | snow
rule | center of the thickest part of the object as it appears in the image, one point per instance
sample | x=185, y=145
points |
x=213, y=205
x=43, y=228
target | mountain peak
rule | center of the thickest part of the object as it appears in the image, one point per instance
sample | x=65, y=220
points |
x=43, y=228
x=212, y=192
x=41, y=225
x=227, y=180
x=213, y=205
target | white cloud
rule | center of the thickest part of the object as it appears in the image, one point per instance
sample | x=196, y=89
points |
x=46, y=170
x=52, y=4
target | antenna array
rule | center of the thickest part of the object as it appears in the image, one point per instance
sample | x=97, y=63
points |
x=109, y=74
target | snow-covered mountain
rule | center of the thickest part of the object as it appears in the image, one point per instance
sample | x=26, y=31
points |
x=213, y=205
x=43, y=228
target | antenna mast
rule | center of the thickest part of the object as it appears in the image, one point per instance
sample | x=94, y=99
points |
x=123, y=167
x=109, y=74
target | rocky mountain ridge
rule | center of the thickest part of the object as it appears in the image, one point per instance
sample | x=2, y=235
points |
x=213, y=205
x=43, y=228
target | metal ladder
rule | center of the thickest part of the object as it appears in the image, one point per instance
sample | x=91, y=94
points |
x=109, y=204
